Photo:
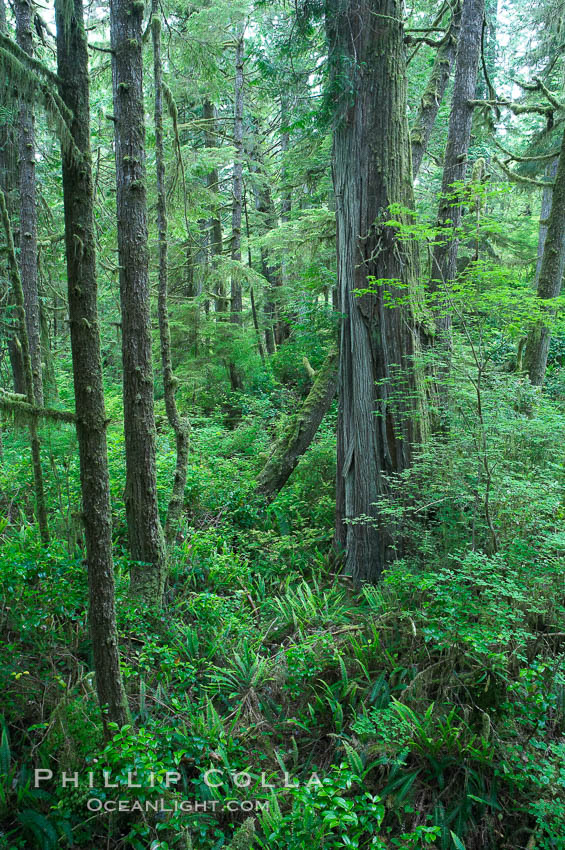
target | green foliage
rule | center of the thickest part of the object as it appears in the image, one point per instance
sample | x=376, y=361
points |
x=430, y=708
x=334, y=812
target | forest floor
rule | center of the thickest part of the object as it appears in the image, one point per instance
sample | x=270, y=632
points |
x=430, y=708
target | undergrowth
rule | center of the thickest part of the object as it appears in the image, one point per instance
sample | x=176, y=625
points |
x=298, y=712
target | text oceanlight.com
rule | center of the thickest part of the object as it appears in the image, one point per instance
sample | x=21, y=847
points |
x=94, y=804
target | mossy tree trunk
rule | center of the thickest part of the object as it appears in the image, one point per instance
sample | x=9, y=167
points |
x=236, y=307
x=545, y=211
x=371, y=170
x=265, y=209
x=282, y=327
x=450, y=213
x=434, y=91
x=146, y=540
x=179, y=425
x=72, y=68
x=8, y=178
x=550, y=277
x=18, y=293
x=254, y=314
x=215, y=222
x=300, y=431
x=28, y=209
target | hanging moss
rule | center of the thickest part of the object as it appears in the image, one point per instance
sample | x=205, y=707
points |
x=22, y=413
x=34, y=82
x=29, y=61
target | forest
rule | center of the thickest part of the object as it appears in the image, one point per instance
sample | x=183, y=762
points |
x=282, y=418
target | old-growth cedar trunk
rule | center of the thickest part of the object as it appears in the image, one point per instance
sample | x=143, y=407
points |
x=371, y=170
x=215, y=222
x=72, y=69
x=550, y=276
x=179, y=425
x=300, y=431
x=450, y=213
x=146, y=541
x=434, y=91
x=18, y=294
x=28, y=212
x=237, y=203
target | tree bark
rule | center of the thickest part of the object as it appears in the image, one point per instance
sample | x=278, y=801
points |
x=72, y=69
x=146, y=541
x=179, y=425
x=237, y=204
x=434, y=92
x=215, y=223
x=28, y=210
x=8, y=179
x=545, y=211
x=281, y=326
x=260, y=348
x=265, y=207
x=18, y=293
x=550, y=277
x=450, y=211
x=300, y=432
x=371, y=170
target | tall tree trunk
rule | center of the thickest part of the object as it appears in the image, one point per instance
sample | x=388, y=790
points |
x=18, y=294
x=237, y=203
x=179, y=425
x=434, y=92
x=545, y=211
x=286, y=200
x=251, y=292
x=450, y=214
x=215, y=223
x=300, y=431
x=8, y=171
x=146, y=541
x=267, y=221
x=550, y=277
x=484, y=90
x=20, y=342
x=28, y=210
x=282, y=327
x=72, y=69
x=371, y=170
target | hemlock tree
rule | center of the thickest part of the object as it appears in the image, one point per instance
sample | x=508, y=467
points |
x=265, y=209
x=215, y=221
x=450, y=211
x=72, y=68
x=146, y=541
x=545, y=210
x=237, y=203
x=8, y=171
x=18, y=295
x=550, y=276
x=435, y=89
x=371, y=171
x=28, y=211
x=179, y=425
